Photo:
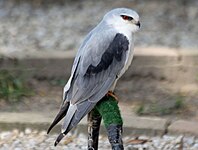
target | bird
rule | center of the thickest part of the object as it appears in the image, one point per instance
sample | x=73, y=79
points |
x=103, y=57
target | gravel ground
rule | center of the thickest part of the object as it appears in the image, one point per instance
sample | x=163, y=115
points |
x=38, y=140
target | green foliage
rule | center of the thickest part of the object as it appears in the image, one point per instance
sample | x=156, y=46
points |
x=179, y=103
x=161, y=110
x=13, y=87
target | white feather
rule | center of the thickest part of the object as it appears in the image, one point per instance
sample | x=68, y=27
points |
x=71, y=111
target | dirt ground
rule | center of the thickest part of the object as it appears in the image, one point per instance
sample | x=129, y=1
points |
x=140, y=96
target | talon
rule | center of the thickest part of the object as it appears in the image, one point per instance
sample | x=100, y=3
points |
x=112, y=94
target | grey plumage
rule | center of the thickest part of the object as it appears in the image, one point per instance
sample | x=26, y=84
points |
x=99, y=62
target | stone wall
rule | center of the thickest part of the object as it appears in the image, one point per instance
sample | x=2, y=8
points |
x=48, y=25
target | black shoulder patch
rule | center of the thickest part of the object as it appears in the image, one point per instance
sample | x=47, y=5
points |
x=115, y=50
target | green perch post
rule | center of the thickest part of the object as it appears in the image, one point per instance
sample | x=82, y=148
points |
x=108, y=110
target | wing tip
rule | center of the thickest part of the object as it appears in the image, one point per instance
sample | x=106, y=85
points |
x=59, y=116
x=49, y=129
x=51, y=126
x=59, y=138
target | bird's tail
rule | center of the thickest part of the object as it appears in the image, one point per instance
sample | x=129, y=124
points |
x=74, y=114
x=62, y=112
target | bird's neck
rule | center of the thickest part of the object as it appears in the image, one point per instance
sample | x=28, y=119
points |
x=125, y=31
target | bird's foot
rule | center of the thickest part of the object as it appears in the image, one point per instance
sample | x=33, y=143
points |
x=112, y=94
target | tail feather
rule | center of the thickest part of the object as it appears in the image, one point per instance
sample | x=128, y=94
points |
x=59, y=138
x=82, y=110
x=59, y=116
x=74, y=114
x=68, y=118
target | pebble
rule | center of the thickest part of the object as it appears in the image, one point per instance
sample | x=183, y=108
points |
x=39, y=140
x=28, y=131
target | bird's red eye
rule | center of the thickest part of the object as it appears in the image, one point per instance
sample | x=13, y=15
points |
x=126, y=17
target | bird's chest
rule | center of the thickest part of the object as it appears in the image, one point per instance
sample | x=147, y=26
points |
x=129, y=56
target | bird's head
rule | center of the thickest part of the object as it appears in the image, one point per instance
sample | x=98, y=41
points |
x=123, y=19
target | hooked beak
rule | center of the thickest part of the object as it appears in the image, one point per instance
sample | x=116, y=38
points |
x=138, y=24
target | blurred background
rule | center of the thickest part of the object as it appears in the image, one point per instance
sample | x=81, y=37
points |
x=38, y=25
x=39, y=39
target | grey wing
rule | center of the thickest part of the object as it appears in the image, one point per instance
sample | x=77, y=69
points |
x=95, y=73
x=103, y=59
x=74, y=67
